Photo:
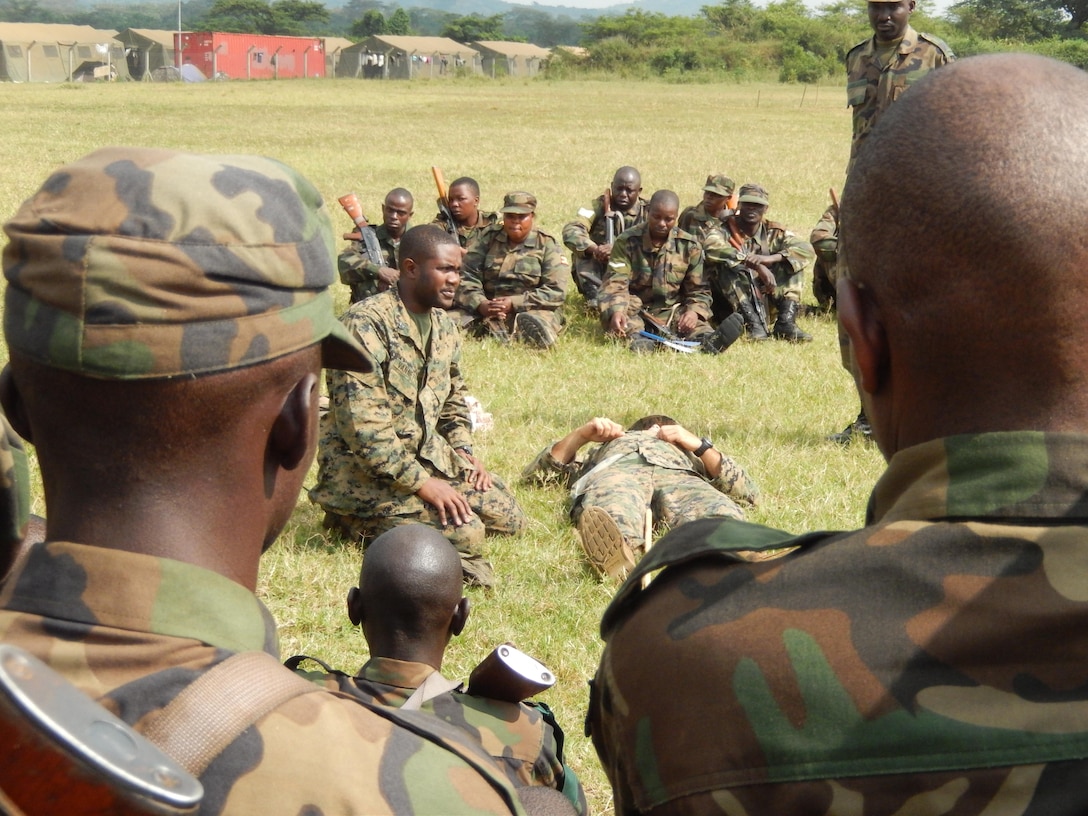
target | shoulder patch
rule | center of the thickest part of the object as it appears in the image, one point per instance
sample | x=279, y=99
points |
x=584, y=213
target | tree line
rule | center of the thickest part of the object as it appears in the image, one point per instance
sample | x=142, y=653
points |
x=734, y=39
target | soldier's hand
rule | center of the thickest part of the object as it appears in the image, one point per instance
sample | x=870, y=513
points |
x=766, y=279
x=601, y=252
x=618, y=323
x=600, y=429
x=688, y=321
x=388, y=277
x=679, y=436
x=451, y=505
x=481, y=479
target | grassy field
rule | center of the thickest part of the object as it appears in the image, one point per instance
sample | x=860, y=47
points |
x=769, y=405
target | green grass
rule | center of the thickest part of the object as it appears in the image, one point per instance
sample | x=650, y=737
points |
x=769, y=405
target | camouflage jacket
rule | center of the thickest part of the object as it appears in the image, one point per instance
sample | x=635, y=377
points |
x=658, y=278
x=359, y=272
x=533, y=274
x=588, y=228
x=825, y=235
x=770, y=238
x=520, y=737
x=388, y=431
x=465, y=235
x=871, y=88
x=638, y=449
x=932, y=662
x=698, y=221
x=134, y=630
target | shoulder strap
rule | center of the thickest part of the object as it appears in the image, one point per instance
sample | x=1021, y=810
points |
x=214, y=709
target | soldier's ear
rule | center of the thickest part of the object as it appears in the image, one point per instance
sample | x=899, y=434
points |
x=460, y=617
x=355, y=606
x=860, y=319
x=290, y=437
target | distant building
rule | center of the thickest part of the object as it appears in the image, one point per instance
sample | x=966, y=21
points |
x=252, y=56
x=45, y=52
x=386, y=56
x=334, y=50
x=499, y=58
x=148, y=52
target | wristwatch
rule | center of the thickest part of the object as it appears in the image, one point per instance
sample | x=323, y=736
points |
x=705, y=445
x=466, y=449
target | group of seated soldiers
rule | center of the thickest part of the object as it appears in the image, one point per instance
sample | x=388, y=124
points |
x=695, y=280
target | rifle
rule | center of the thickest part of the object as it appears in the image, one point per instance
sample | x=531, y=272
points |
x=611, y=219
x=834, y=202
x=509, y=674
x=367, y=235
x=65, y=753
x=757, y=295
x=444, y=211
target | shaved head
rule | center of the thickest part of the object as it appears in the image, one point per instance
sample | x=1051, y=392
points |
x=665, y=198
x=628, y=175
x=961, y=221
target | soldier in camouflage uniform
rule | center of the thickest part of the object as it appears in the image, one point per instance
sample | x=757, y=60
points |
x=657, y=465
x=878, y=72
x=765, y=254
x=14, y=495
x=167, y=316
x=364, y=276
x=409, y=604
x=935, y=661
x=825, y=243
x=585, y=236
x=396, y=444
x=656, y=268
x=708, y=213
x=515, y=279
x=463, y=197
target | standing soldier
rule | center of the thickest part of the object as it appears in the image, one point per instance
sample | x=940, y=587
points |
x=515, y=279
x=364, y=276
x=586, y=236
x=879, y=71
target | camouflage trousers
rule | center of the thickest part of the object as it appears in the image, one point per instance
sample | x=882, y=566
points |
x=588, y=274
x=674, y=496
x=496, y=511
x=504, y=330
x=666, y=317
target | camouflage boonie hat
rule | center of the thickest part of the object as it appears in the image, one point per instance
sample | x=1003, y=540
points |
x=720, y=185
x=753, y=194
x=519, y=203
x=138, y=263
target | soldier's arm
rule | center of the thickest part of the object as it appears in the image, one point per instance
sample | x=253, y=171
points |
x=577, y=233
x=355, y=268
x=454, y=422
x=734, y=481
x=695, y=290
x=615, y=291
x=470, y=294
x=795, y=251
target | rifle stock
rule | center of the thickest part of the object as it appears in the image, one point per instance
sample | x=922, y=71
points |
x=64, y=753
x=611, y=218
x=444, y=211
x=509, y=674
x=757, y=295
x=367, y=235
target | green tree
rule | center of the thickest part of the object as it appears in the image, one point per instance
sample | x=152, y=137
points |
x=427, y=21
x=639, y=27
x=473, y=27
x=399, y=23
x=733, y=17
x=25, y=11
x=1019, y=20
x=372, y=22
x=240, y=16
x=300, y=17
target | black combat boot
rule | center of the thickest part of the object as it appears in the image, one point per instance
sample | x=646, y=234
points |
x=725, y=335
x=784, y=327
x=752, y=324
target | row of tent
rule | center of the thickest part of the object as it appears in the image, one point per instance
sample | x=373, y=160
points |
x=40, y=52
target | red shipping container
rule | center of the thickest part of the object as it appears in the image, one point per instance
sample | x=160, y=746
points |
x=252, y=56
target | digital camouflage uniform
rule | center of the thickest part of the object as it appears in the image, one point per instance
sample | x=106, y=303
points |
x=587, y=230
x=666, y=282
x=522, y=738
x=871, y=87
x=533, y=274
x=359, y=272
x=466, y=235
x=935, y=661
x=133, y=631
x=825, y=243
x=388, y=431
x=636, y=471
x=136, y=264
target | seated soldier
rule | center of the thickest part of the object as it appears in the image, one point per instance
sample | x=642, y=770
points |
x=654, y=476
x=763, y=259
x=364, y=276
x=515, y=279
x=409, y=605
x=171, y=394
x=586, y=236
x=709, y=212
x=463, y=198
x=655, y=275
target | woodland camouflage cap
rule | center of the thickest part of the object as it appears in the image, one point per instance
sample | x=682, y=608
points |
x=519, y=202
x=720, y=185
x=753, y=194
x=138, y=263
